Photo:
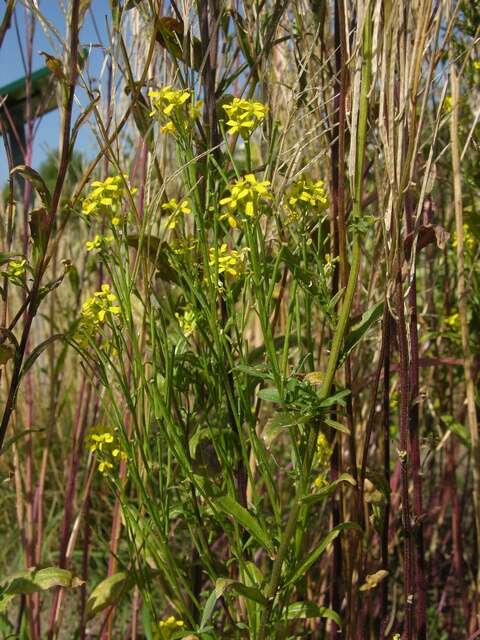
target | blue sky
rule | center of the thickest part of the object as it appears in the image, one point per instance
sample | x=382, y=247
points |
x=11, y=68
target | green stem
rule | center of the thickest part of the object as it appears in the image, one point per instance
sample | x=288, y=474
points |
x=272, y=587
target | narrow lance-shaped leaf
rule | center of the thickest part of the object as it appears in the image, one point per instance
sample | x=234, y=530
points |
x=359, y=330
x=243, y=517
x=108, y=592
x=317, y=552
x=36, y=181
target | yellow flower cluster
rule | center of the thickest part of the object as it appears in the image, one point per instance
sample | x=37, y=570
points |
x=187, y=321
x=107, y=449
x=469, y=240
x=166, y=628
x=106, y=198
x=324, y=450
x=305, y=195
x=99, y=242
x=229, y=261
x=169, y=105
x=181, y=246
x=453, y=322
x=244, y=116
x=96, y=309
x=448, y=103
x=244, y=198
x=177, y=210
x=16, y=268
x=324, y=453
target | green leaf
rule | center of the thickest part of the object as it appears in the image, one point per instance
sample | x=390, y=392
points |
x=109, y=591
x=38, y=223
x=337, y=398
x=231, y=507
x=337, y=425
x=310, y=610
x=36, y=353
x=34, y=580
x=253, y=371
x=251, y=593
x=317, y=552
x=325, y=492
x=270, y=395
x=275, y=425
x=18, y=436
x=36, y=181
x=360, y=329
x=458, y=429
x=208, y=609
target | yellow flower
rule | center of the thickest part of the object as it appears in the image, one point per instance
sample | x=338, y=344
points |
x=16, y=268
x=244, y=116
x=105, y=466
x=224, y=260
x=304, y=196
x=448, y=103
x=99, y=242
x=324, y=450
x=168, y=128
x=469, y=240
x=453, y=322
x=167, y=99
x=177, y=209
x=96, y=310
x=105, y=446
x=106, y=198
x=244, y=198
x=195, y=110
x=99, y=440
x=476, y=65
x=187, y=321
x=167, y=627
x=181, y=246
x=169, y=105
x=320, y=481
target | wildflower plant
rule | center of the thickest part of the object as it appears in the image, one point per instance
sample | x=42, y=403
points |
x=236, y=341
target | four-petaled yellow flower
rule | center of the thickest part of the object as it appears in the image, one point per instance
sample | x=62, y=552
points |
x=177, y=209
x=305, y=195
x=16, y=268
x=166, y=628
x=224, y=260
x=170, y=106
x=99, y=440
x=106, y=448
x=106, y=198
x=244, y=198
x=244, y=116
x=95, y=311
x=166, y=100
x=99, y=242
x=448, y=103
x=187, y=321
